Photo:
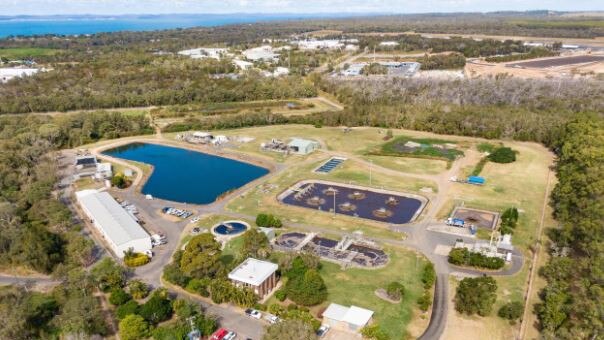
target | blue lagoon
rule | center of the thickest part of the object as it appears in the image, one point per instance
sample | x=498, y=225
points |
x=186, y=176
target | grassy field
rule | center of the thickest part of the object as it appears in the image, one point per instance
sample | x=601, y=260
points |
x=463, y=327
x=410, y=165
x=358, y=142
x=522, y=185
x=25, y=52
x=356, y=286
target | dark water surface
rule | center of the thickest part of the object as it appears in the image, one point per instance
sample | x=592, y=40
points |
x=186, y=176
x=401, y=212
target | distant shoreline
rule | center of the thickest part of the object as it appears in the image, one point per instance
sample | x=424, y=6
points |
x=25, y=25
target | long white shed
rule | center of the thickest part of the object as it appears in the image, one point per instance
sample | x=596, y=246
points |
x=114, y=223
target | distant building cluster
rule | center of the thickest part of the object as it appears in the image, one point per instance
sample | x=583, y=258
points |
x=206, y=52
x=404, y=68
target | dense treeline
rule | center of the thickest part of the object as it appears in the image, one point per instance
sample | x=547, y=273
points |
x=36, y=230
x=491, y=108
x=137, y=80
x=464, y=257
x=532, y=54
x=442, y=61
x=529, y=110
x=571, y=305
x=470, y=48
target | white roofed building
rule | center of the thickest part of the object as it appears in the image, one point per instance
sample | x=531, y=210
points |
x=351, y=318
x=389, y=44
x=103, y=171
x=7, y=74
x=303, y=146
x=260, y=276
x=318, y=44
x=242, y=64
x=205, y=52
x=119, y=229
x=264, y=53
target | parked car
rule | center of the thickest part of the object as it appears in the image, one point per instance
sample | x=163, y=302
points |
x=219, y=334
x=253, y=313
x=195, y=219
x=323, y=330
x=158, y=240
x=272, y=318
x=230, y=336
x=149, y=253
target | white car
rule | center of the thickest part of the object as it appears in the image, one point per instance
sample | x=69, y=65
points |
x=323, y=330
x=253, y=313
x=195, y=219
x=272, y=319
x=230, y=336
x=149, y=253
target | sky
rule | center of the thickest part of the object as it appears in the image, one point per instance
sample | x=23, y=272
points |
x=115, y=7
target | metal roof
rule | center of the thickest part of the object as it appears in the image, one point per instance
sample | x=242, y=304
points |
x=302, y=143
x=118, y=225
x=353, y=315
x=253, y=271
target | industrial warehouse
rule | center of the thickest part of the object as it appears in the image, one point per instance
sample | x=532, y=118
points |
x=114, y=223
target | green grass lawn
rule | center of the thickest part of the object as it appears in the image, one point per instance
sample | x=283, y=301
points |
x=231, y=250
x=21, y=53
x=410, y=165
x=356, y=286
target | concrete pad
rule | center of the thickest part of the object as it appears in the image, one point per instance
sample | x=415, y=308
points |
x=335, y=334
x=442, y=250
x=443, y=228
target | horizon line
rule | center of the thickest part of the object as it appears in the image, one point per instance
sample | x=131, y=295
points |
x=340, y=13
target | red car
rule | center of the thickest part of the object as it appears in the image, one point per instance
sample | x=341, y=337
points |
x=219, y=334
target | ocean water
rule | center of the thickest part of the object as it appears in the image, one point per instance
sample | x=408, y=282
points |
x=27, y=26
x=186, y=176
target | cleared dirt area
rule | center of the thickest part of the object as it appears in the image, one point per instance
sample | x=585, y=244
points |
x=588, y=65
x=555, y=62
x=462, y=327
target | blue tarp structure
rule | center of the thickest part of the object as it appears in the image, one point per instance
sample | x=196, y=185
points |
x=476, y=180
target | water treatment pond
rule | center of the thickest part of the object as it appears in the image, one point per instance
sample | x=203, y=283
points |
x=354, y=201
x=186, y=176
